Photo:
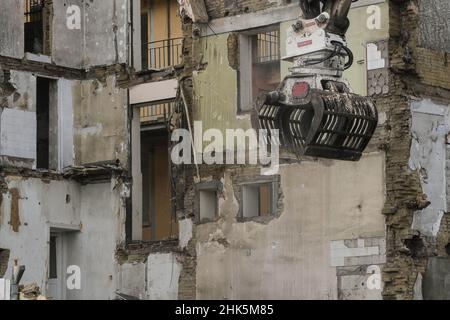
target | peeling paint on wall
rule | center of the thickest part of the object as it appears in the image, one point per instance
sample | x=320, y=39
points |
x=428, y=158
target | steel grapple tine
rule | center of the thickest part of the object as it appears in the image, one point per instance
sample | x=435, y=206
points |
x=329, y=125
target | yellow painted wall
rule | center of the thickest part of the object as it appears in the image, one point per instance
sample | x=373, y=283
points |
x=158, y=19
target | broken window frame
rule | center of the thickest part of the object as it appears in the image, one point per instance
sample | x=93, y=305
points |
x=212, y=187
x=52, y=161
x=258, y=182
x=34, y=26
x=248, y=42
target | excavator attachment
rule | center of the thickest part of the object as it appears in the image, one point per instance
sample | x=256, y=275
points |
x=320, y=123
x=313, y=108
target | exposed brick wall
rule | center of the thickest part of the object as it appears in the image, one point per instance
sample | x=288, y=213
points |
x=223, y=8
x=433, y=67
x=411, y=66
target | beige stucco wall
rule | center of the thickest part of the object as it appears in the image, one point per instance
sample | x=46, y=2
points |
x=290, y=258
x=324, y=201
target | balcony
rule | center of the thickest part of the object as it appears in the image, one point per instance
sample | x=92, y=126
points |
x=157, y=113
x=162, y=54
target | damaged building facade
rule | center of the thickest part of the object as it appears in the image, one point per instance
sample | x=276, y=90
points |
x=92, y=92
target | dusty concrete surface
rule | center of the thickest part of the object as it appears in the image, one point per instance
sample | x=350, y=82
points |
x=279, y=260
x=13, y=29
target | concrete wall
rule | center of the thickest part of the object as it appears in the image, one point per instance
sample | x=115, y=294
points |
x=330, y=231
x=101, y=40
x=11, y=33
x=156, y=278
x=100, y=122
x=93, y=249
x=93, y=220
x=18, y=121
x=89, y=124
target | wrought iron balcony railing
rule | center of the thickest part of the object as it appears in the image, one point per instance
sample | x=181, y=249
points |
x=162, y=54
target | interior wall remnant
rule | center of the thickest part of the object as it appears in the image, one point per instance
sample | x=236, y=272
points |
x=18, y=134
x=163, y=275
x=428, y=158
x=12, y=31
x=100, y=43
x=100, y=126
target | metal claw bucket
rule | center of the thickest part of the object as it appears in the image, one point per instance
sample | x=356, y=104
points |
x=326, y=125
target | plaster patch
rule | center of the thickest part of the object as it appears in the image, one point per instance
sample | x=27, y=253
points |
x=428, y=158
x=91, y=131
x=163, y=275
x=340, y=251
x=186, y=227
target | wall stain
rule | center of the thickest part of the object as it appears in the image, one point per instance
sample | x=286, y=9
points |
x=15, y=216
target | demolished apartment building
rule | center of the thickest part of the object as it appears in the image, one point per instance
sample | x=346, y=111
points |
x=88, y=109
